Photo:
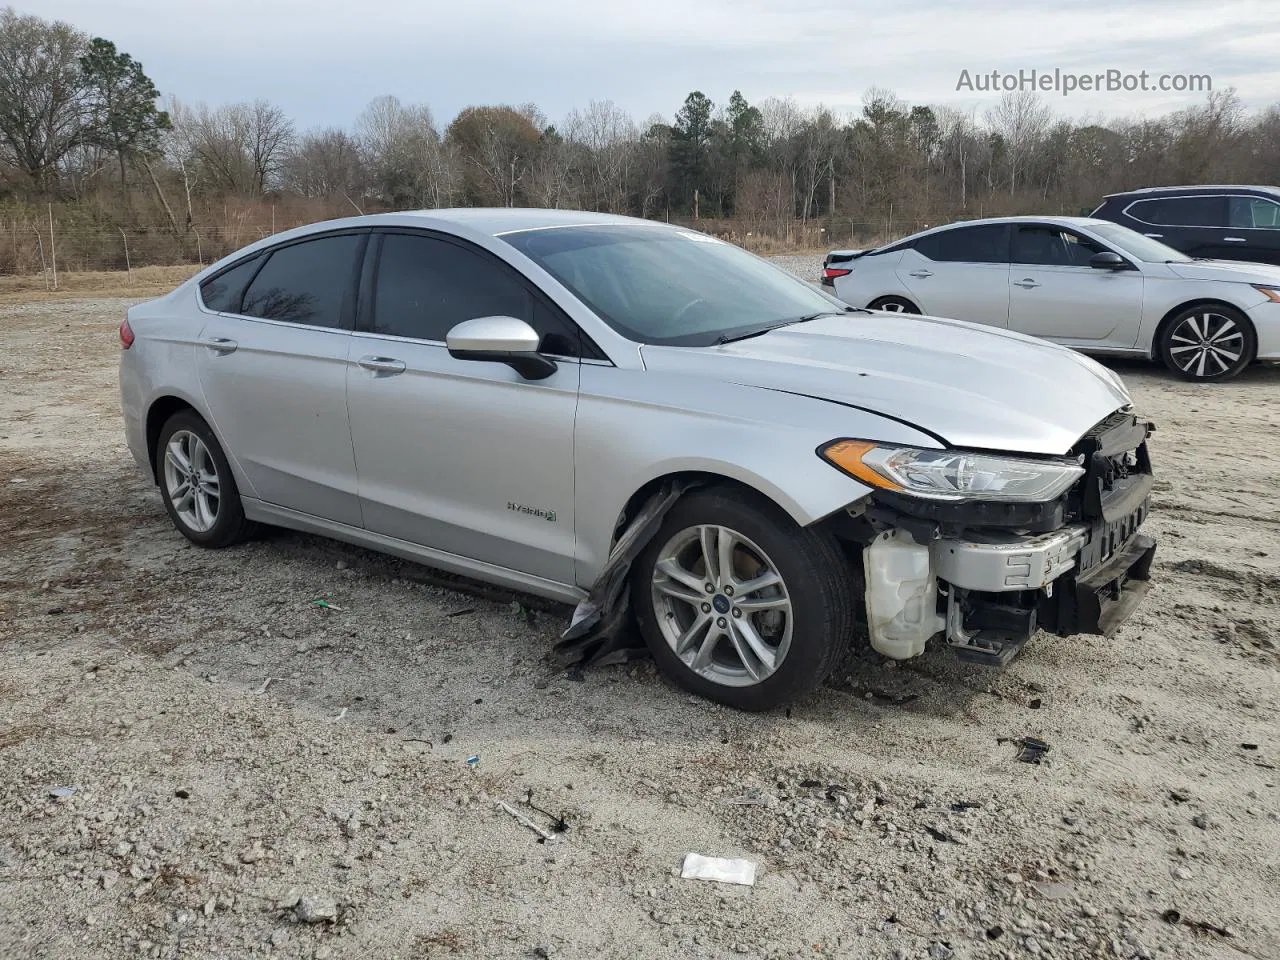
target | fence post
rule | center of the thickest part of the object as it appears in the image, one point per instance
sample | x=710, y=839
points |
x=53, y=249
x=44, y=266
x=127, y=265
x=199, y=247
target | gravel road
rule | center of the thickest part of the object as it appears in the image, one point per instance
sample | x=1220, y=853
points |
x=252, y=774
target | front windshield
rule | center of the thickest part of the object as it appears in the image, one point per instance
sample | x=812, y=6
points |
x=1136, y=245
x=658, y=285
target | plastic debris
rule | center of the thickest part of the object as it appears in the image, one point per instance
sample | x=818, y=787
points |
x=755, y=797
x=341, y=713
x=720, y=869
x=473, y=760
x=525, y=821
x=1030, y=749
x=265, y=683
x=61, y=793
x=324, y=604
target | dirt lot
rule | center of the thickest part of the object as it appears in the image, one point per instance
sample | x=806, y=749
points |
x=242, y=758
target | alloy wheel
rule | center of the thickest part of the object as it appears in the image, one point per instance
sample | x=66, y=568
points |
x=1206, y=344
x=191, y=481
x=721, y=605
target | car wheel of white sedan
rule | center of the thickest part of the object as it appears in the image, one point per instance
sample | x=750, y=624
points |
x=738, y=604
x=1207, y=342
x=196, y=484
x=893, y=305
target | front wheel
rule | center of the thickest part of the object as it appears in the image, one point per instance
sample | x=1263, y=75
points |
x=738, y=604
x=1207, y=343
x=893, y=305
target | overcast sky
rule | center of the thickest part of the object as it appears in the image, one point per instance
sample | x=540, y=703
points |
x=322, y=60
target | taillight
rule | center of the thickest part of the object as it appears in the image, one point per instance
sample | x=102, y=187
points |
x=126, y=335
x=833, y=272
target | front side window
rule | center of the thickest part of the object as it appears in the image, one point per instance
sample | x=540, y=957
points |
x=1052, y=247
x=1179, y=211
x=225, y=292
x=308, y=282
x=985, y=244
x=655, y=284
x=1254, y=213
x=425, y=286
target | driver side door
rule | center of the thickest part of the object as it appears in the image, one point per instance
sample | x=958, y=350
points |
x=465, y=457
x=1055, y=294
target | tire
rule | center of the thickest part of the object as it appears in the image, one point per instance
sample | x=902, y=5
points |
x=893, y=305
x=213, y=515
x=1207, y=343
x=808, y=616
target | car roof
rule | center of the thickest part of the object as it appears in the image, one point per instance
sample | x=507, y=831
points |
x=1197, y=188
x=986, y=221
x=497, y=221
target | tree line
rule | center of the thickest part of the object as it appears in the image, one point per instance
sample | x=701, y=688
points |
x=83, y=126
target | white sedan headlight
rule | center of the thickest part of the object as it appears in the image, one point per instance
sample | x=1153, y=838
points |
x=952, y=474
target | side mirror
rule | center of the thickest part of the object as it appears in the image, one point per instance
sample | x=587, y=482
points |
x=502, y=339
x=1107, y=260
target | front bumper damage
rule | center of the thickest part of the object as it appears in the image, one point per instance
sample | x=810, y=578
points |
x=988, y=576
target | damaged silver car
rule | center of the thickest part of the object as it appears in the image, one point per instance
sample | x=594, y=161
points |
x=656, y=426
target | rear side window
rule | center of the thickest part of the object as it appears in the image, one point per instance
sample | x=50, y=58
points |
x=426, y=286
x=1179, y=211
x=309, y=282
x=225, y=291
x=985, y=244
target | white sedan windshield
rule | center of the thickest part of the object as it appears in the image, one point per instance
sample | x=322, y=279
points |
x=657, y=285
x=1136, y=245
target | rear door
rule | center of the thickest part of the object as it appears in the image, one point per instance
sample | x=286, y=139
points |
x=961, y=273
x=462, y=456
x=1194, y=224
x=1255, y=221
x=272, y=364
x=1054, y=293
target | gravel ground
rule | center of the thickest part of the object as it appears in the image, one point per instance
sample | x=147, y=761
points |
x=253, y=774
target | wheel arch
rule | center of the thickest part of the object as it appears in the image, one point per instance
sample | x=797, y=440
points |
x=1153, y=352
x=159, y=410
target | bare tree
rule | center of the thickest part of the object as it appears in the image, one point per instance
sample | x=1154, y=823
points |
x=408, y=163
x=239, y=147
x=609, y=140
x=324, y=163
x=43, y=114
x=1020, y=119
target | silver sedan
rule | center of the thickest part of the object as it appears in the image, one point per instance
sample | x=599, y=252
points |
x=651, y=424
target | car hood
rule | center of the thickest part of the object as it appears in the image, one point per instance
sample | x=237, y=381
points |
x=1232, y=270
x=969, y=385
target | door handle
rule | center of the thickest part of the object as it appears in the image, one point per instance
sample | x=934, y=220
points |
x=381, y=365
x=220, y=345
x=1026, y=283
x=1235, y=240
x=1156, y=236
x=922, y=274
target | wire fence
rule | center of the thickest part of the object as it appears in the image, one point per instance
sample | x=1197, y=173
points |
x=71, y=238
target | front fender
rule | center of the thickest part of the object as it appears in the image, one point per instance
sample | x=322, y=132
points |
x=764, y=439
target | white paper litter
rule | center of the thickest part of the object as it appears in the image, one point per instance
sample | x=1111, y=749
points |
x=698, y=867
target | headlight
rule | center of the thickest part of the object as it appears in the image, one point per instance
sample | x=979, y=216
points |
x=1272, y=293
x=951, y=474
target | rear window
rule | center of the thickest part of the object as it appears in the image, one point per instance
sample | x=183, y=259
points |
x=1180, y=211
x=984, y=244
x=307, y=282
x=225, y=291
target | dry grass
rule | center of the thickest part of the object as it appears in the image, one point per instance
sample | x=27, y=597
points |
x=144, y=282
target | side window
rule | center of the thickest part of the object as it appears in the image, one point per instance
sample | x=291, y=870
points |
x=1180, y=211
x=308, y=282
x=1255, y=213
x=225, y=291
x=985, y=244
x=425, y=286
x=1052, y=247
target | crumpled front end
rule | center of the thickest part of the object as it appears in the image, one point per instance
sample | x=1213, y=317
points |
x=988, y=575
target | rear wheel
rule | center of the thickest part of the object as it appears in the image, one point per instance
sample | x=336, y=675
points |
x=196, y=484
x=893, y=305
x=1209, y=342
x=740, y=605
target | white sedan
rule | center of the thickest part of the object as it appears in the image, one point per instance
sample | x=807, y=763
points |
x=1088, y=284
